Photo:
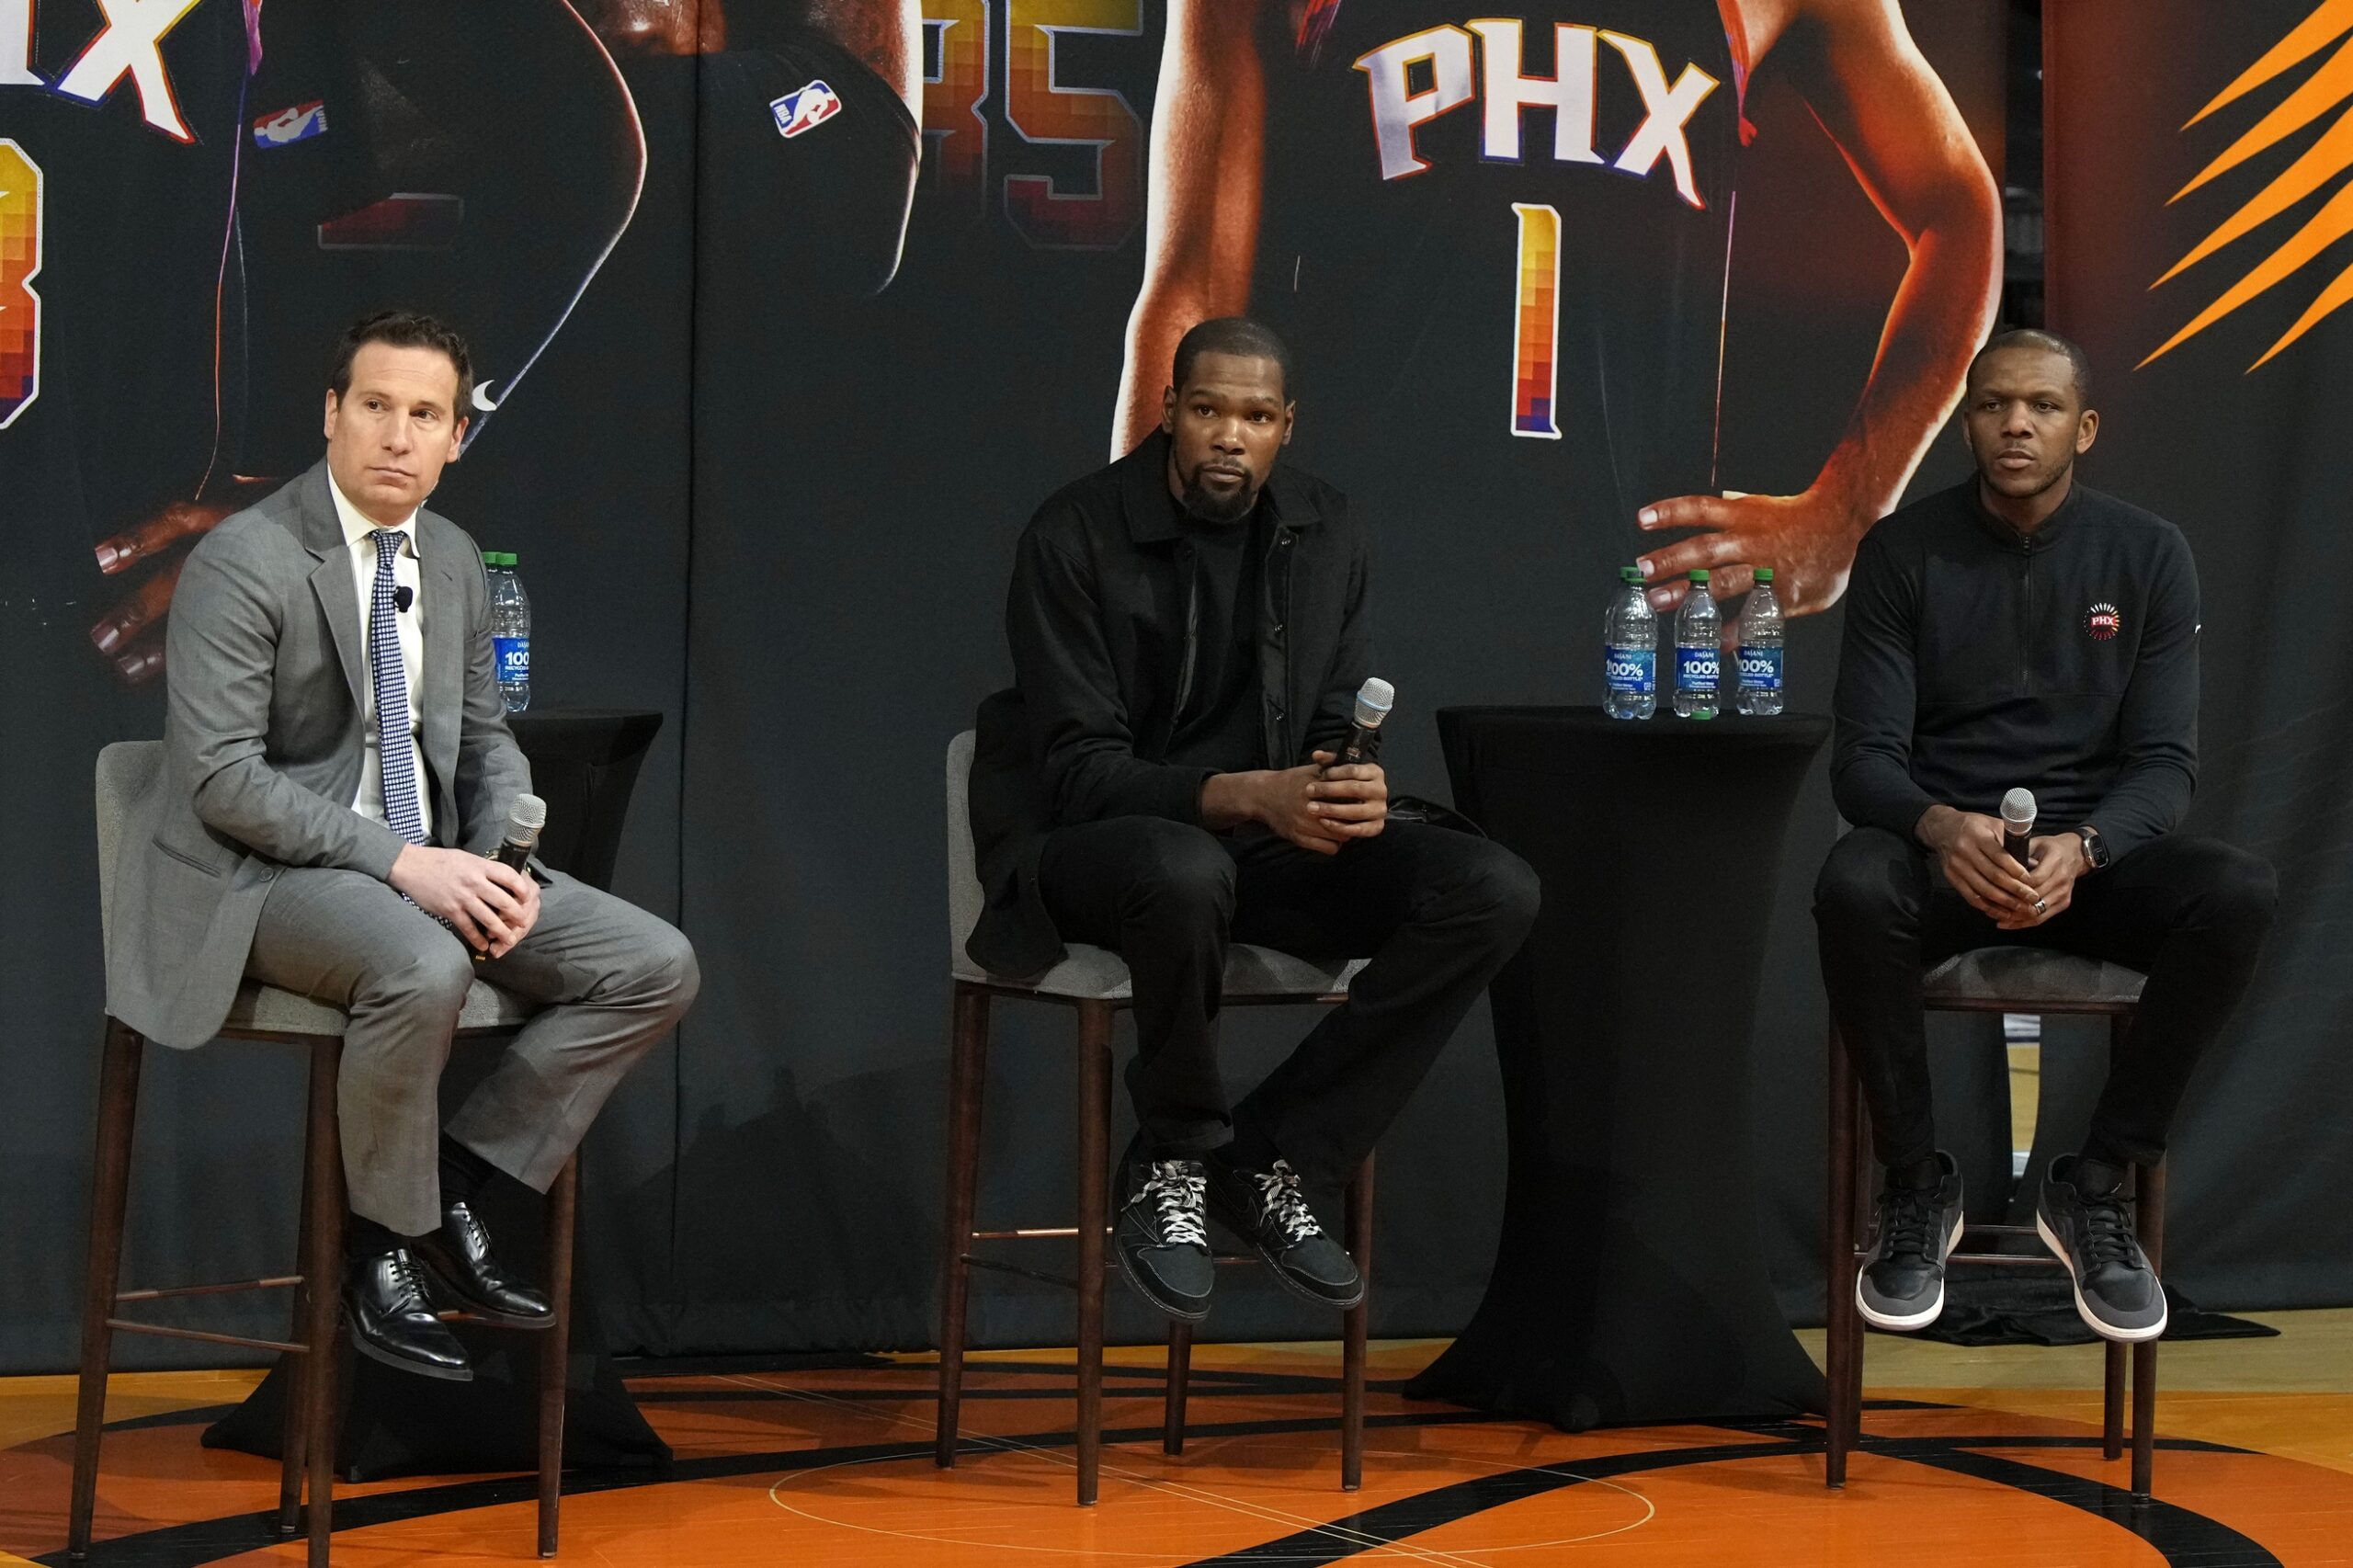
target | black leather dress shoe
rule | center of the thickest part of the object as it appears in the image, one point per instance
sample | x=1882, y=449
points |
x=458, y=1256
x=391, y=1319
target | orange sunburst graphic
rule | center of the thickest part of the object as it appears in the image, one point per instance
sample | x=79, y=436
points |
x=2329, y=158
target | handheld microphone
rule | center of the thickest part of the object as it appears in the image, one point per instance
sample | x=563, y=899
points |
x=2017, y=824
x=524, y=821
x=403, y=596
x=1363, y=742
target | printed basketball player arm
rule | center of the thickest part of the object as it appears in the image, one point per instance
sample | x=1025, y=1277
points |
x=1858, y=70
x=1865, y=80
x=323, y=243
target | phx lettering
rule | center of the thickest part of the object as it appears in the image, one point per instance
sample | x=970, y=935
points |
x=1397, y=110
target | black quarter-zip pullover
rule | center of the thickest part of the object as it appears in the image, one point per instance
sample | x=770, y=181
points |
x=1976, y=659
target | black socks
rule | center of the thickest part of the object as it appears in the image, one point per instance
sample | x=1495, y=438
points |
x=462, y=1172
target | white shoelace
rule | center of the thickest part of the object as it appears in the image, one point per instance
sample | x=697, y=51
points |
x=1280, y=1201
x=1180, y=1197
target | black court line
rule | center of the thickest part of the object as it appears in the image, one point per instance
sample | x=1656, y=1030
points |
x=2185, y=1540
x=208, y=1540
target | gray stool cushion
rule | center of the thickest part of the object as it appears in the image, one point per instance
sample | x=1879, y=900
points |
x=264, y=1009
x=2029, y=980
x=1098, y=975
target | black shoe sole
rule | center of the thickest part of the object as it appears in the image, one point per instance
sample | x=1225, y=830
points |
x=376, y=1352
x=1158, y=1303
x=448, y=1290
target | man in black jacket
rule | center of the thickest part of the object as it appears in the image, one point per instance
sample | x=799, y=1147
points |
x=2025, y=630
x=1189, y=628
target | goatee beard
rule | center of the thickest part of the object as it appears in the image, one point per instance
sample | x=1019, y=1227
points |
x=1207, y=506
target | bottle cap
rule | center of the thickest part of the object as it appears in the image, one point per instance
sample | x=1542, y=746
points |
x=1700, y=574
x=507, y=559
x=1629, y=573
x=1764, y=573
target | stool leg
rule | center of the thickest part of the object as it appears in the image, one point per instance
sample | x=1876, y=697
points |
x=1842, y=1346
x=555, y=1346
x=289, y=1437
x=2149, y=1222
x=2111, y=1401
x=1094, y=1213
x=968, y=1055
x=118, y=1108
x=1181, y=1375
x=1357, y=1222
x=323, y=1290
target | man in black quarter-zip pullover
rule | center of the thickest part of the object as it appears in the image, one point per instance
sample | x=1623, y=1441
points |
x=1189, y=628
x=2023, y=630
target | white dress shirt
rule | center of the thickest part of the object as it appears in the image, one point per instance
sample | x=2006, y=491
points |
x=411, y=623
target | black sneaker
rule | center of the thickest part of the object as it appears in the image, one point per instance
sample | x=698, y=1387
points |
x=2091, y=1232
x=1160, y=1240
x=1914, y=1229
x=1266, y=1211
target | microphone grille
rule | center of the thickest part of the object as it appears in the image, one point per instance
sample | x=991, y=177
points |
x=2018, y=806
x=1373, y=700
x=530, y=812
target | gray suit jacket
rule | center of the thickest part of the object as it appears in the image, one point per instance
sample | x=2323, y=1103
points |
x=263, y=746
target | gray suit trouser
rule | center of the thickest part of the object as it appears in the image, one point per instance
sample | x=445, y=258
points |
x=614, y=979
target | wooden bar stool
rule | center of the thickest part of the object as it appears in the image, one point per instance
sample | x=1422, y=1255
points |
x=263, y=1013
x=1988, y=980
x=1095, y=982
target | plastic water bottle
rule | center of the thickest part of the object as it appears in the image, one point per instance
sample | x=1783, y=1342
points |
x=1629, y=651
x=1760, y=649
x=1697, y=675
x=510, y=631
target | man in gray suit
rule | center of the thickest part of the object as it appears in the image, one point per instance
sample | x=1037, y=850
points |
x=337, y=769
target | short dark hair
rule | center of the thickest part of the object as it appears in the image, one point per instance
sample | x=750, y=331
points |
x=1232, y=335
x=2078, y=362
x=405, y=329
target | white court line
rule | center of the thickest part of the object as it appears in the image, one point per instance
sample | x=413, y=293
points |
x=1379, y=1545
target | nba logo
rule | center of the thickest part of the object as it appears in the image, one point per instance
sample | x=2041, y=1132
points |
x=805, y=108
x=288, y=126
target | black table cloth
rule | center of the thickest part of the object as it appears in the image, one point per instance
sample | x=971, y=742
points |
x=1630, y=1284
x=584, y=765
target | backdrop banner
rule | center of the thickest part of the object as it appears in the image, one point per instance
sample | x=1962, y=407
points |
x=2201, y=177
x=786, y=318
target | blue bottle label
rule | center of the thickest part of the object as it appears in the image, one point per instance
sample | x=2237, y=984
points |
x=1760, y=669
x=1631, y=670
x=514, y=655
x=1695, y=669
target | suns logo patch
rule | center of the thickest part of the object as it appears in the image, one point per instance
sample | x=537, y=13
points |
x=2103, y=621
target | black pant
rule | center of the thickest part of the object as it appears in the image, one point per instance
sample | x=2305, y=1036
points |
x=2190, y=913
x=1437, y=912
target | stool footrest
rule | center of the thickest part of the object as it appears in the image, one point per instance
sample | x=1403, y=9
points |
x=283, y=1346
x=168, y=1291
x=999, y=1266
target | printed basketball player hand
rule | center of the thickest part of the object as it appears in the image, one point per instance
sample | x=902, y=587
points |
x=1807, y=540
x=131, y=634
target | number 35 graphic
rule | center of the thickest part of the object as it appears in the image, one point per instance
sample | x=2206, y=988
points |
x=19, y=261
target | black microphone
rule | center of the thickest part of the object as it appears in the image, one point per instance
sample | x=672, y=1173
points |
x=1373, y=700
x=524, y=820
x=2018, y=826
x=403, y=596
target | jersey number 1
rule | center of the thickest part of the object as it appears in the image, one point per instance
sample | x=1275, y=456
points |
x=1536, y=322
x=19, y=260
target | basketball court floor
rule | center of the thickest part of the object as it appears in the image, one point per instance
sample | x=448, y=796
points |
x=1973, y=1456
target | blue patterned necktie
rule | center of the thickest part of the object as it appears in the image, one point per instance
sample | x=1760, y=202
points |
x=391, y=678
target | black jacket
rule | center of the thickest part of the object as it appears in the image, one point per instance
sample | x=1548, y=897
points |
x=1976, y=660
x=1103, y=620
